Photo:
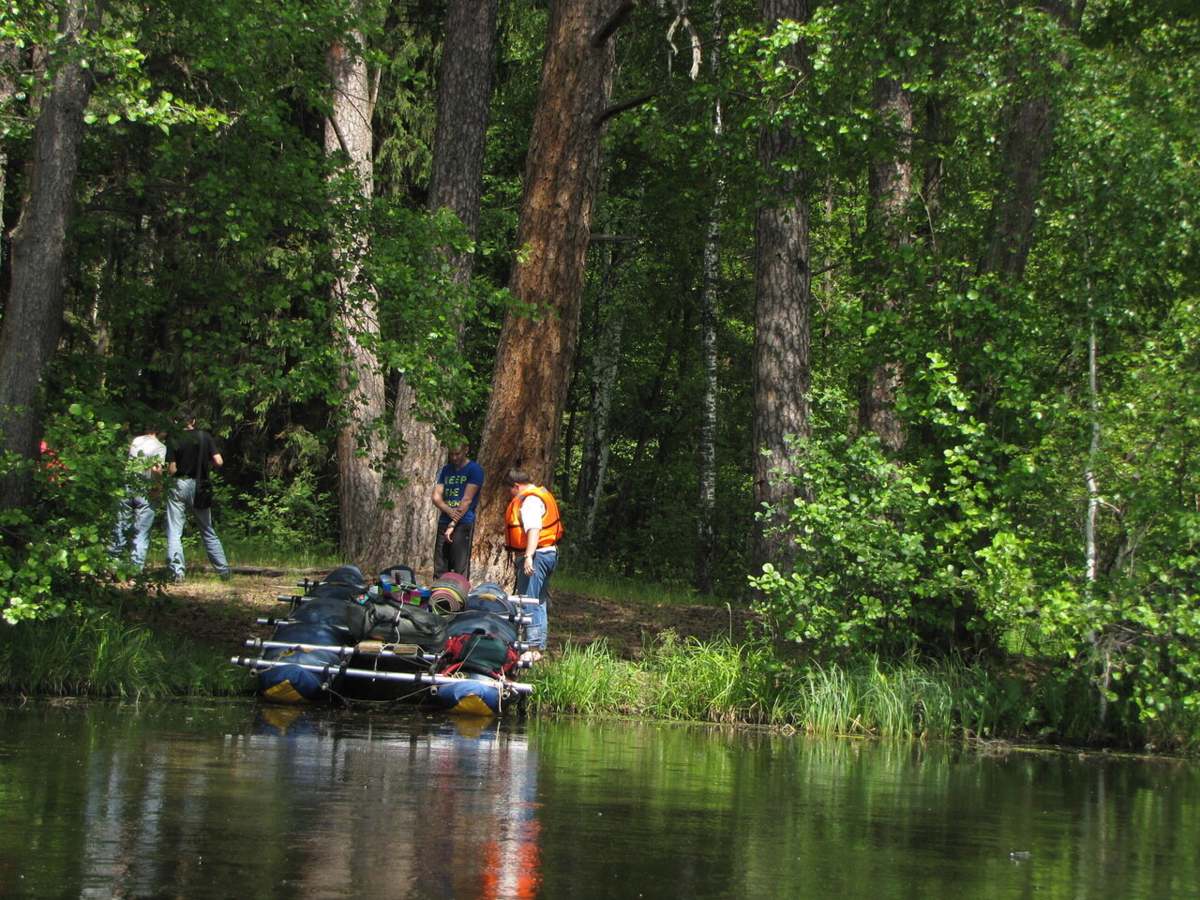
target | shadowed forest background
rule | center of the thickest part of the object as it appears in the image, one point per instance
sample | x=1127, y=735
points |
x=881, y=318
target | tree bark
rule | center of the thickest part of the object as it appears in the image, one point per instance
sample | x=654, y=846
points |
x=782, y=296
x=360, y=447
x=33, y=318
x=1091, y=556
x=596, y=445
x=706, y=445
x=464, y=97
x=1028, y=141
x=889, y=201
x=534, y=355
x=409, y=527
x=9, y=55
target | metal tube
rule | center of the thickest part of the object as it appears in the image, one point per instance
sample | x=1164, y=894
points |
x=519, y=687
x=366, y=648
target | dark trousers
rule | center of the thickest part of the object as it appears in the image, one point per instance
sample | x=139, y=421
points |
x=453, y=555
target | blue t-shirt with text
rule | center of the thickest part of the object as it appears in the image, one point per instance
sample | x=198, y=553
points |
x=454, y=484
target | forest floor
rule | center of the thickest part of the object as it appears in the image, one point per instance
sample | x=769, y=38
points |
x=223, y=614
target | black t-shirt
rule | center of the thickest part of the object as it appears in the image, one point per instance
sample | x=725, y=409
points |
x=189, y=448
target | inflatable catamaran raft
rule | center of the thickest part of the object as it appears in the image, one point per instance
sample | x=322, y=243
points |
x=451, y=645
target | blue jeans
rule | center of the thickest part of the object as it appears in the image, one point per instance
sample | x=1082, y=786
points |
x=537, y=585
x=179, y=501
x=135, y=516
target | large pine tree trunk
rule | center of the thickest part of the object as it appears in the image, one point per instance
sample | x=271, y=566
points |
x=360, y=448
x=782, y=285
x=534, y=356
x=408, y=531
x=33, y=317
x=464, y=97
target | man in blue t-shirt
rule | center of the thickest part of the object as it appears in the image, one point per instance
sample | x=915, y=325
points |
x=456, y=495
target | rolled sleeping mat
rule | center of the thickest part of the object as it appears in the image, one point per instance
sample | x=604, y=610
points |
x=448, y=593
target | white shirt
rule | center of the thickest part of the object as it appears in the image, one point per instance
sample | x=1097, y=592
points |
x=533, y=511
x=149, y=452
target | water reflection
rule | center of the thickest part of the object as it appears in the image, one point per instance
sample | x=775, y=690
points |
x=241, y=800
x=282, y=803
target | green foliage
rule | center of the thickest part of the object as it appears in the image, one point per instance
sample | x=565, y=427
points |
x=286, y=515
x=54, y=554
x=201, y=266
x=866, y=697
x=893, y=555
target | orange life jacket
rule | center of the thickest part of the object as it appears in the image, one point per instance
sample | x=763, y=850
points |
x=552, y=529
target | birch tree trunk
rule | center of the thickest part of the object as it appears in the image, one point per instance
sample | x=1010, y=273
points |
x=1091, y=555
x=706, y=505
x=606, y=363
x=782, y=287
x=534, y=356
x=33, y=317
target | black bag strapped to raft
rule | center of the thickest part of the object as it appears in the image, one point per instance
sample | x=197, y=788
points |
x=344, y=583
x=335, y=612
x=478, y=652
x=407, y=624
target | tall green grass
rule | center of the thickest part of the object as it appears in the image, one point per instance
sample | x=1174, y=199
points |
x=749, y=684
x=588, y=679
x=97, y=655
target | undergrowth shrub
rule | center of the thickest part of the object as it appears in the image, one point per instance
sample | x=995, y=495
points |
x=55, y=552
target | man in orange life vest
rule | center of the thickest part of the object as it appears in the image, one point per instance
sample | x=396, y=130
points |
x=532, y=528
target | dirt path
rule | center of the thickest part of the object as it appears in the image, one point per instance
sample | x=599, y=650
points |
x=224, y=613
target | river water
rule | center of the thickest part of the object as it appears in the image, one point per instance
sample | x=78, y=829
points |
x=239, y=800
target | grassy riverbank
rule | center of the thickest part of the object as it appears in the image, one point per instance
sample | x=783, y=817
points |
x=750, y=684
x=654, y=656
x=103, y=654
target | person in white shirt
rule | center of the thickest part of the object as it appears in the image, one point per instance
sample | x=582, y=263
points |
x=532, y=529
x=135, y=515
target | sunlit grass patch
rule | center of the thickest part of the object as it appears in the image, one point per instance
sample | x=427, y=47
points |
x=689, y=680
x=713, y=682
x=675, y=679
x=255, y=552
x=587, y=679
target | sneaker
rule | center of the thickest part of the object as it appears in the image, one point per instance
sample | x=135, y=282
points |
x=531, y=656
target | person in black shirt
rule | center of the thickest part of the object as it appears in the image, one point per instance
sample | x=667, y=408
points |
x=191, y=455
